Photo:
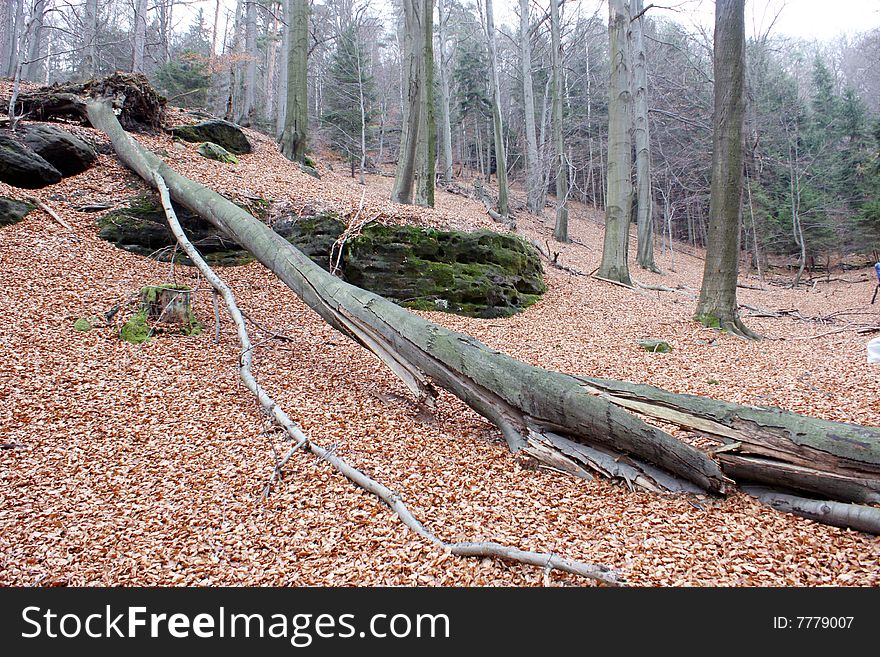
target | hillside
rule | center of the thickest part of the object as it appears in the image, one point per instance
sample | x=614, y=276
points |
x=141, y=465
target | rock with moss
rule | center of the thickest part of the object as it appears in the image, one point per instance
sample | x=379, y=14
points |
x=216, y=152
x=142, y=228
x=313, y=235
x=656, y=346
x=83, y=325
x=223, y=133
x=12, y=211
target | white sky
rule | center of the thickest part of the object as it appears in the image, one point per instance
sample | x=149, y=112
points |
x=807, y=19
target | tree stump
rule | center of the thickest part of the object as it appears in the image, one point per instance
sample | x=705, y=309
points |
x=167, y=303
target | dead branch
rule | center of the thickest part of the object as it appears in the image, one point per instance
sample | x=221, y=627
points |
x=45, y=208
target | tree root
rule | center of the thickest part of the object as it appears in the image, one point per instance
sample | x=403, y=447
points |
x=391, y=498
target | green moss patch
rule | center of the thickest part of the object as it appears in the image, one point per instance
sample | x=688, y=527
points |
x=136, y=330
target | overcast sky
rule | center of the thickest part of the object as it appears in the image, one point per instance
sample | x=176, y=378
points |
x=808, y=19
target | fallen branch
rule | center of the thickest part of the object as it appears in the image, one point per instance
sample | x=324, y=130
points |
x=391, y=498
x=838, y=514
x=45, y=208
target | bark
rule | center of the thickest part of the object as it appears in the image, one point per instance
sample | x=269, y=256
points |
x=445, y=122
x=16, y=15
x=426, y=157
x=497, y=124
x=642, y=143
x=618, y=206
x=717, y=305
x=560, y=231
x=293, y=139
x=533, y=163
x=573, y=424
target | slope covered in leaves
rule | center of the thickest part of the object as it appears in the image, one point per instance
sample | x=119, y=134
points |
x=126, y=464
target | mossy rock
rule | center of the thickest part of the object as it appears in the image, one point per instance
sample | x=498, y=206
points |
x=216, y=152
x=656, y=346
x=314, y=235
x=12, y=211
x=223, y=133
x=142, y=228
x=481, y=274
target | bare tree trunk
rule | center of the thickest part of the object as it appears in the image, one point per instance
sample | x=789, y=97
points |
x=282, y=71
x=34, y=48
x=533, y=163
x=426, y=156
x=414, y=179
x=445, y=122
x=139, y=35
x=572, y=423
x=560, y=231
x=15, y=30
x=293, y=139
x=618, y=207
x=497, y=124
x=90, y=35
x=717, y=305
x=642, y=142
x=250, y=75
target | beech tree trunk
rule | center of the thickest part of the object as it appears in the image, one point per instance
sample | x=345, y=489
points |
x=296, y=112
x=497, y=125
x=414, y=179
x=717, y=306
x=560, y=231
x=642, y=143
x=249, y=92
x=618, y=202
x=534, y=176
x=90, y=35
x=139, y=35
x=575, y=424
x=445, y=122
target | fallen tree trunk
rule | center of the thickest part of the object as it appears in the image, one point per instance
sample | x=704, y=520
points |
x=573, y=424
x=302, y=441
x=848, y=516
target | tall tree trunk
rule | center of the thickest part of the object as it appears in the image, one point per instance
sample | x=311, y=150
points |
x=414, y=179
x=16, y=30
x=34, y=64
x=560, y=232
x=618, y=207
x=533, y=164
x=445, y=122
x=426, y=157
x=642, y=142
x=139, y=35
x=250, y=74
x=90, y=35
x=497, y=124
x=293, y=139
x=282, y=70
x=717, y=305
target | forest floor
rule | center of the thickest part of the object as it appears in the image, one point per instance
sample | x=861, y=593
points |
x=145, y=465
